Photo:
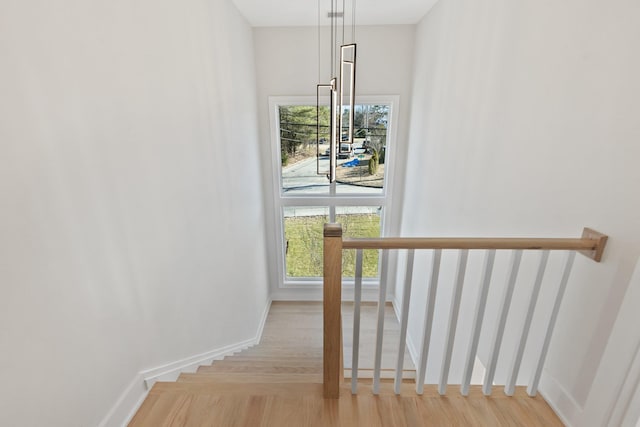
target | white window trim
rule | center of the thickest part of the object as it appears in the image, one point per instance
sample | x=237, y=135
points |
x=281, y=200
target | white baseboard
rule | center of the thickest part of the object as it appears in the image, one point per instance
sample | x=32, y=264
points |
x=562, y=403
x=171, y=371
x=136, y=392
x=396, y=307
x=263, y=321
x=127, y=404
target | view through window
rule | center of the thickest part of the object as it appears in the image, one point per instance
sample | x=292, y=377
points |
x=360, y=165
x=303, y=237
x=306, y=197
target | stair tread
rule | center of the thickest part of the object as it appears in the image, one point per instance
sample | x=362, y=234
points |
x=303, y=404
x=248, y=368
x=251, y=389
x=240, y=377
x=279, y=382
x=274, y=362
x=285, y=388
x=273, y=356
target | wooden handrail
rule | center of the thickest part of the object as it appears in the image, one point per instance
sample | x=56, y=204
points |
x=468, y=243
x=591, y=244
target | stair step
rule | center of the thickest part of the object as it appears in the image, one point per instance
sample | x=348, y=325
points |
x=239, y=377
x=315, y=389
x=276, y=357
x=302, y=404
x=246, y=389
x=301, y=363
x=279, y=349
x=277, y=339
x=280, y=353
x=279, y=383
x=268, y=369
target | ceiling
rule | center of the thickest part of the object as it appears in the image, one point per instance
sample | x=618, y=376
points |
x=289, y=13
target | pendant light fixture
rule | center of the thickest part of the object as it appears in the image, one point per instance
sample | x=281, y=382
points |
x=341, y=87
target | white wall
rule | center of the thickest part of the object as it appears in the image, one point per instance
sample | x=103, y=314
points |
x=525, y=122
x=622, y=354
x=131, y=227
x=287, y=63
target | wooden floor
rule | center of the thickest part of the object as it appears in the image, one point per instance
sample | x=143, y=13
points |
x=368, y=323
x=278, y=383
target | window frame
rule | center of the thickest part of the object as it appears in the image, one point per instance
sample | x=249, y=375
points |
x=282, y=200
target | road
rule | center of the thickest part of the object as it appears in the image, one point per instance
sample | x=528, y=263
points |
x=301, y=179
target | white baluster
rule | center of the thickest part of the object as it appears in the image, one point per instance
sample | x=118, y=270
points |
x=477, y=324
x=510, y=387
x=382, y=297
x=428, y=319
x=357, y=297
x=502, y=321
x=453, y=320
x=406, y=295
x=532, y=389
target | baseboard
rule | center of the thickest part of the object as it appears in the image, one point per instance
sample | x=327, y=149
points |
x=263, y=321
x=396, y=304
x=562, y=403
x=171, y=371
x=132, y=397
x=127, y=404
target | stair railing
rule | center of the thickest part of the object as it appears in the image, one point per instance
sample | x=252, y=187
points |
x=591, y=244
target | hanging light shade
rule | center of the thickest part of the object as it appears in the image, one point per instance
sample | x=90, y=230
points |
x=341, y=88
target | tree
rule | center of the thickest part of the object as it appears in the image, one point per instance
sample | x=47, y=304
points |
x=371, y=122
x=373, y=163
x=298, y=127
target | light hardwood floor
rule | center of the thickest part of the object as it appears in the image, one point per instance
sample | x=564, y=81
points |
x=278, y=383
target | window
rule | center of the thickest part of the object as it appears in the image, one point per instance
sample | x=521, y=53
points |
x=305, y=198
x=302, y=162
x=303, y=238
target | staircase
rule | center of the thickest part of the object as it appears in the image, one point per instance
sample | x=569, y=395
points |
x=279, y=383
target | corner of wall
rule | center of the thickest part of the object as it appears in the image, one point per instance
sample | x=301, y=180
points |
x=561, y=401
x=413, y=352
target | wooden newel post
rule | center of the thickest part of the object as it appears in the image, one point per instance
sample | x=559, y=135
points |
x=332, y=297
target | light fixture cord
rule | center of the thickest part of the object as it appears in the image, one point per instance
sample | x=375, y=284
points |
x=343, y=13
x=335, y=38
x=319, y=12
x=333, y=34
x=353, y=21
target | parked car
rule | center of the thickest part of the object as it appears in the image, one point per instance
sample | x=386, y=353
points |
x=345, y=152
